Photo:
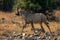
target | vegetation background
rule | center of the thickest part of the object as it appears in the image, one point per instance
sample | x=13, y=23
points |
x=34, y=5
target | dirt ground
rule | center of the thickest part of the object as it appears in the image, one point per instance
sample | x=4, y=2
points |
x=4, y=27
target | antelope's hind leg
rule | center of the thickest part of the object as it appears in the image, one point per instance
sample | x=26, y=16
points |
x=48, y=26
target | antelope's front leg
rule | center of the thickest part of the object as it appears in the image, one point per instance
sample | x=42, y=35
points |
x=32, y=26
x=23, y=27
x=42, y=29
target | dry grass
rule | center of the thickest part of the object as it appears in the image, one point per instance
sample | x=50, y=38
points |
x=13, y=27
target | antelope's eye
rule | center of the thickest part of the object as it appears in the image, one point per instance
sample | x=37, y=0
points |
x=3, y=18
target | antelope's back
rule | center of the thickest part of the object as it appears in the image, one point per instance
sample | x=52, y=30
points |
x=37, y=17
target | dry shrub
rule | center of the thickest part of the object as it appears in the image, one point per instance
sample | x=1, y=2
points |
x=56, y=13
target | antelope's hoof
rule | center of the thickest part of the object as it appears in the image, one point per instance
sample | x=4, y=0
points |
x=42, y=30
